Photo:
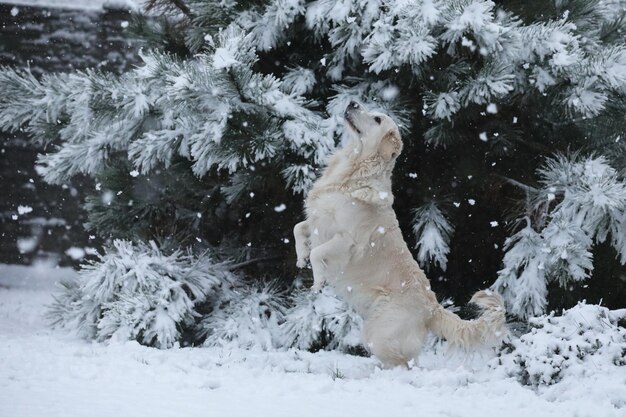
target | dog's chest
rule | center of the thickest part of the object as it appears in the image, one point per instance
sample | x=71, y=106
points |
x=333, y=213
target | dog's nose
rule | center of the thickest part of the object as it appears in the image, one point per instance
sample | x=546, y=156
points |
x=353, y=105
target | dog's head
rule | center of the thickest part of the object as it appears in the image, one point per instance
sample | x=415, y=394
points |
x=373, y=132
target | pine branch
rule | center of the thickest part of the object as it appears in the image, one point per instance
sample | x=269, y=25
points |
x=613, y=30
x=524, y=187
x=169, y=4
x=253, y=261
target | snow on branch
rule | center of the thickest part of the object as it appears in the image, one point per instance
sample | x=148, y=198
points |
x=432, y=231
x=249, y=318
x=314, y=317
x=592, y=196
x=268, y=28
x=165, y=109
x=586, y=202
x=522, y=281
x=137, y=292
x=564, y=346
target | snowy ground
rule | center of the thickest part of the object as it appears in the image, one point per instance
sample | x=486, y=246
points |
x=48, y=373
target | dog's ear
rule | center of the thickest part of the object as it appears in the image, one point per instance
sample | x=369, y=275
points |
x=390, y=145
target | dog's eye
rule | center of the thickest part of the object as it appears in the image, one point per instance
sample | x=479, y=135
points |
x=378, y=119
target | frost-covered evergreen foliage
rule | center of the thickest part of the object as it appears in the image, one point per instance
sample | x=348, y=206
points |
x=137, y=292
x=432, y=231
x=581, y=201
x=522, y=282
x=166, y=109
x=219, y=134
x=585, y=336
x=321, y=320
x=261, y=317
x=249, y=318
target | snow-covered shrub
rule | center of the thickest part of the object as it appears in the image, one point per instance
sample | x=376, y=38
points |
x=249, y=318
x=137, y=292
x=582, y=201
x=586, y=338
x=321, y=321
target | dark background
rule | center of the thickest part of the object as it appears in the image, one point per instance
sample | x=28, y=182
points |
x=51, y=40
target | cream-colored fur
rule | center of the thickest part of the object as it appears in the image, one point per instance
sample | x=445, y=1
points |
x=352, y=238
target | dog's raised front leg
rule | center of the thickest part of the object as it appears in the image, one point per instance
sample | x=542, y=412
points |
x=302, y=237
x=330, y=257
x=372, y=196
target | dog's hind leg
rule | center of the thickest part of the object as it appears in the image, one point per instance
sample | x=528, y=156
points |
x=395, y=336
x=330, y=257
x=302, y=236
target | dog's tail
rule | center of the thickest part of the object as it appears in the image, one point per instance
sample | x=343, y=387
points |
x=487, y=330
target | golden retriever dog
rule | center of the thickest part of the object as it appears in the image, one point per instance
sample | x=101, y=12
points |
x=352, y=238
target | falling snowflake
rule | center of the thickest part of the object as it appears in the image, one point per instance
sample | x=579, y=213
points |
x=24, y=209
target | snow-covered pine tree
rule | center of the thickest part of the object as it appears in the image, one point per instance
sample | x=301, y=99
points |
x=218, y=135
x=581, y=202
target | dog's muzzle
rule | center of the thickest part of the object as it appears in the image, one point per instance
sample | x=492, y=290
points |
x=353, y=107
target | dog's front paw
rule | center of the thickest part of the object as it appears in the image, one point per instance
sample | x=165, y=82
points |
x=363, y=194
x=301, y=263
x=317, y=287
